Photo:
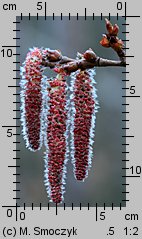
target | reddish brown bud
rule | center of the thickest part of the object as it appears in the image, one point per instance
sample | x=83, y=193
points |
x=90, y=55
x=115, y=30
x=105, y=42
x=111, y=39
x=53, y=55
x=109, y=26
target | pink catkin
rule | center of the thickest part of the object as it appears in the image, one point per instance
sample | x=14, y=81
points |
x=56, y=139
x=84, y=105
x=33, y=107
x=31, y=99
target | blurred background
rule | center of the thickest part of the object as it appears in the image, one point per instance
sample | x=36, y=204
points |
x=104, y=182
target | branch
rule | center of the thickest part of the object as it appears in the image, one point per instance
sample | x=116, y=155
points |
x=55, y=60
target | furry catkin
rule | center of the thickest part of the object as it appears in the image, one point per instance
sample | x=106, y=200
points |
x=32, y=85
x=56, y=139
x=84, y=107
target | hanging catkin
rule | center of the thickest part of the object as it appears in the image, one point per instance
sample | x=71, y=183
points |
x=83, y=110
x=56, y=154
x=32, y=85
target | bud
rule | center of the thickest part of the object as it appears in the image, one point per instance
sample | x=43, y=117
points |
x=90, y=55
x=105, y=42
x=53, y=55
x=109, y=26
x=115, y=30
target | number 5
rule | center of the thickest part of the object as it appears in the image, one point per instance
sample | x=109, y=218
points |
x=9, y=133
x=111, y=231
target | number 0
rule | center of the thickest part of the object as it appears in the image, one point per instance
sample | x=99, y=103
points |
x=119, y=5
x=22, y=215
x=9, y=213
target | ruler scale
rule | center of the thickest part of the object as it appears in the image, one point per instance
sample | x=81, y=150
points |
x=40, y=217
